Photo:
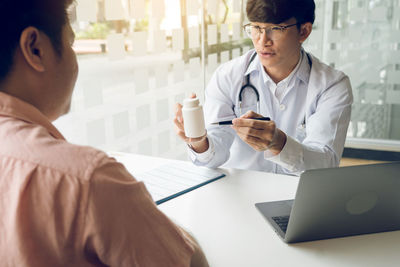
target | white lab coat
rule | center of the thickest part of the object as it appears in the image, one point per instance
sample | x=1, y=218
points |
x=322, y=97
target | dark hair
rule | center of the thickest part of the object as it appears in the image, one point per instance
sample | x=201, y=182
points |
x=48, y=16
x=278, y=11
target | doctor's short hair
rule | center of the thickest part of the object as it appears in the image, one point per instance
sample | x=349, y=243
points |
x=278, y=11
x=48, y=16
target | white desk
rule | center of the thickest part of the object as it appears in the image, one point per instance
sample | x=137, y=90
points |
x=222, y=216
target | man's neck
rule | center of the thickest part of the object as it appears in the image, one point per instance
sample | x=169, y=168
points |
x=279, y=73
x=24, y=89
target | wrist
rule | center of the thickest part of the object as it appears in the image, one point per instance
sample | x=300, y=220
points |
x=278, y=142
x=199, y=146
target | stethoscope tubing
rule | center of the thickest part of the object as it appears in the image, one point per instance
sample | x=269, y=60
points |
x=248, y=84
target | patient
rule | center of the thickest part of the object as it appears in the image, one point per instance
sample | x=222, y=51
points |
x=63, y=204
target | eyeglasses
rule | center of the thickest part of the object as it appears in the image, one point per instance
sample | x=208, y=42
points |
x=274, y=32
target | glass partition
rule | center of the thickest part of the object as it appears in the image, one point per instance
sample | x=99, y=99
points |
x=362, y=38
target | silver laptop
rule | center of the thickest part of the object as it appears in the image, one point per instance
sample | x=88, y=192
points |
x=339, y=202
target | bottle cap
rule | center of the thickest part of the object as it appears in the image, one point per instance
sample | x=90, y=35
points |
x=191, y=102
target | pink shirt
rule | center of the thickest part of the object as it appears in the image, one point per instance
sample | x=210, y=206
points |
x=68, y=205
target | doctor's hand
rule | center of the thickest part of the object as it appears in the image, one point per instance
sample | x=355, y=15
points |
x=260, y=135
x=199, y=144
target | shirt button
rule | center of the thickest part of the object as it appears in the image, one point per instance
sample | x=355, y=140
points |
x=282, y=107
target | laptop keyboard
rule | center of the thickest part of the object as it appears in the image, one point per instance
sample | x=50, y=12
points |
x=282, y=222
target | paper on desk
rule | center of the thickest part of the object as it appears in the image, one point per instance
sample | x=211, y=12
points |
x=171, y=180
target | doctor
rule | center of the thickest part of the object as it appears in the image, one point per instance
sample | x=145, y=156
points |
x=309, y=103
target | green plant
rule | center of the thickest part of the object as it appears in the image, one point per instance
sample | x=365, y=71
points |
x=94, y=31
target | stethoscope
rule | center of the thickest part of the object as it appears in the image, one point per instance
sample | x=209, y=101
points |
x=249, y=85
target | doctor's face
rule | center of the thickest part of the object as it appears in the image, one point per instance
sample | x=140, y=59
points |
x=278, y=45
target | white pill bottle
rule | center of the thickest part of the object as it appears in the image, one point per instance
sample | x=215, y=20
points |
x=193, y=118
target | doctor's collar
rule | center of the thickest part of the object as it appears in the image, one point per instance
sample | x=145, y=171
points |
x=254, y=65
x=305, y=68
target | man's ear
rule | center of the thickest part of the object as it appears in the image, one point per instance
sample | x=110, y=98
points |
x=32, y=47
x=305, y=31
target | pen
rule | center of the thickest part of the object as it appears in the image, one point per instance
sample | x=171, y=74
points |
x=230, y=122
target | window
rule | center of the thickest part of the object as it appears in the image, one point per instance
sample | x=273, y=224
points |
x=361, y=38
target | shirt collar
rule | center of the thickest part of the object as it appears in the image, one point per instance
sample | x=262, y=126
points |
x=16, y=108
